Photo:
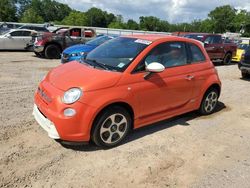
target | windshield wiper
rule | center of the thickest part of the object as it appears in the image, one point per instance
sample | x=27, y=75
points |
x=97, y=63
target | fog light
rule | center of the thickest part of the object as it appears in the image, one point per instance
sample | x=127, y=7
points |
x=69, y=112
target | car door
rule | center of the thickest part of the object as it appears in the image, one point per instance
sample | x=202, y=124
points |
x=15, y=41
x=168, y=91
x=26, y=38
x=197, y=62
x=214, y=46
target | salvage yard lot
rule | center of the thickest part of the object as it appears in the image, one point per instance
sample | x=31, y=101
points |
x=187, y=151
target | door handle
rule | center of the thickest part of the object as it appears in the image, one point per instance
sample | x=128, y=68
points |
x=189, y=77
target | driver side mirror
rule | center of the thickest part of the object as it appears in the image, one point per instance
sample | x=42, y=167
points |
x=155, y=67
x=206, y=43
x=8, y=36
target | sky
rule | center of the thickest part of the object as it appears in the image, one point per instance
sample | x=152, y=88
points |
x=174, y=11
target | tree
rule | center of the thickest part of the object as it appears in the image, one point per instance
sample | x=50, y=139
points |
x=222, y=18
x=8, y=11
x=131, y=24
x=22, y=6
x=96, y=17
x=76, y=18
x=117, y=23
x=49, y=10
x=31, y=16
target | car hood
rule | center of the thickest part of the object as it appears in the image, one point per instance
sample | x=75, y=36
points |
x=75, y=74
x=79, y=48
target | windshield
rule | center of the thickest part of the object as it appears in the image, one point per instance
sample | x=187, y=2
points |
x=196, y=37
x=118, y=53
x=98, y=41
x=243, y=46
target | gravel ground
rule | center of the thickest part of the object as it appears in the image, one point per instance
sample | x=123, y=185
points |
x=187, y=151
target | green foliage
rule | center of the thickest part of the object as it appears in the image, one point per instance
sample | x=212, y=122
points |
x=31, y=16
x=96, y=17
x=8, y=11
x=49, y=10
x=222, y=18
x=131, y=24
x=75, y=18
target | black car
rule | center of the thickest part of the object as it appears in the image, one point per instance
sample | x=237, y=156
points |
x=35, y=28
x=244, y=64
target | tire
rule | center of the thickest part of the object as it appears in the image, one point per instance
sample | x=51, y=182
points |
x=111, y=127
x=227, y=59
x=52, y=51
x=209, y=102
x=245, y=75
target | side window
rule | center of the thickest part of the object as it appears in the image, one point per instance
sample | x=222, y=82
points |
x=216, y=39
x=169, y=54
x=16, y=33
x=26, y=33
x=75, y=32
x=196, y=54
x=209, y=40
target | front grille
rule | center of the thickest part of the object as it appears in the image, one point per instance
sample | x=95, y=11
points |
x=44, y=96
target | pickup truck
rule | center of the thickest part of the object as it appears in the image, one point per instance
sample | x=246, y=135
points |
x=216, y=47
x=51, y=45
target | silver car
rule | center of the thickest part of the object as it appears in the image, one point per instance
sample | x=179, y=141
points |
x=16, y=39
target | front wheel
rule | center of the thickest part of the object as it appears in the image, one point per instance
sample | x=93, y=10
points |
x=209, y=102
x=52, y=51
x=111, y=127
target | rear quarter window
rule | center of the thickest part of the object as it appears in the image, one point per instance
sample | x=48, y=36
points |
x=196, y=55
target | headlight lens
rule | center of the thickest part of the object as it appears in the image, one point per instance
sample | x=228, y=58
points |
x=72, y=95
x=74, y=55
x=82, y=53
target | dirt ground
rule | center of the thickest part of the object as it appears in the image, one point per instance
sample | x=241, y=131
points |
x=187, y=151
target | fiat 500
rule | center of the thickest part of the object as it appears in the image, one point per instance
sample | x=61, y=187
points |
x=126, y=83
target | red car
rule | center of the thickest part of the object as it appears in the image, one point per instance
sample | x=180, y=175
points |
x=216, y=47
x=126, y=83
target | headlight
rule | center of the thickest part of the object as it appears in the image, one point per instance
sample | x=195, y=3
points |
x=74, y=54
x=82, y=53
x=72, y=95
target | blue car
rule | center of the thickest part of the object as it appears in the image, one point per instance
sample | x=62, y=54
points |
x=78, y=51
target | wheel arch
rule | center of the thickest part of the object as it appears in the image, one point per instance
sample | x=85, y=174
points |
x=122, y=104
x=54, y=43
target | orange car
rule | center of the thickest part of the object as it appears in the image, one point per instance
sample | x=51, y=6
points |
x=124, y=84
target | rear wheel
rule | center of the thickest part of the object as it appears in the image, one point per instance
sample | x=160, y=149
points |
x=52, y=51
x=111, y=127
x=227, y=59
x=209, y=102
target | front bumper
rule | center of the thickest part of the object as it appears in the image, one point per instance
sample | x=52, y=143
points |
x=65, y=58
x=76, y=128
x=244, y=67
x=45, y=123
x=236, y=59
x=38, y=49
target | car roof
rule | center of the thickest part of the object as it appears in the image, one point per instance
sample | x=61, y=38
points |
x=155, y=37
x=22, y=30
x=150, y=37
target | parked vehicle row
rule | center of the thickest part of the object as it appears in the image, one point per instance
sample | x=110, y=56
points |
x=77, y=52
x=126, y=83
x=51, y=45
x=216, y=47
x=240, y=50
